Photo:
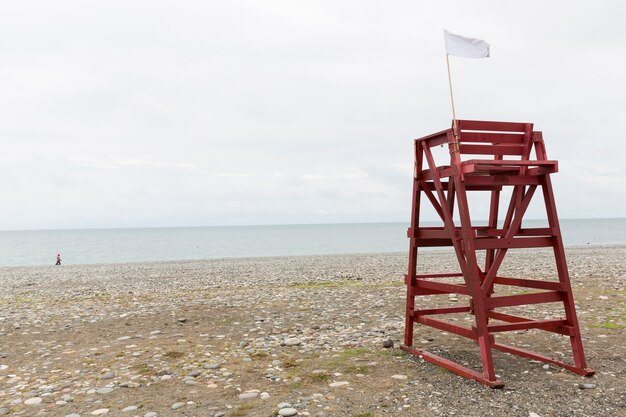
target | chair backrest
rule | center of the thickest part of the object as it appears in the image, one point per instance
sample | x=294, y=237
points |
x=500, y=140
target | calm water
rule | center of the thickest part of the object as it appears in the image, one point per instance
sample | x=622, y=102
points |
x=39, y=247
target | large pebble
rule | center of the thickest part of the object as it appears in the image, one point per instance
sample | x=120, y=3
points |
x=286, y=412
x=100, y=412
x=130, y=408
x=248, y=395
x=338, y=384
x=106, y=390
x=176, y=406
x=292, y=341
x=33, y=401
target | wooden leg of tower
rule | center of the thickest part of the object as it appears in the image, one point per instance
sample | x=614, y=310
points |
x=473, y=278
x=561, y=265
x=413, y=248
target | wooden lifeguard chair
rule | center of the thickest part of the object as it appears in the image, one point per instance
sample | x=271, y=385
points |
x=504, y=150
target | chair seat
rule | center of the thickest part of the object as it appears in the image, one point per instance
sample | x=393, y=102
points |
x=495, y=167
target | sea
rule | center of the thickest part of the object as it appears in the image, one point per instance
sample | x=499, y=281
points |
x=98, y=246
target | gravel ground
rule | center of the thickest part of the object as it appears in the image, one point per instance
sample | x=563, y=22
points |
x=290, y=336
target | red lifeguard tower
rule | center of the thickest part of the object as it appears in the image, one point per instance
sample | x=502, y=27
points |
x=504, y=152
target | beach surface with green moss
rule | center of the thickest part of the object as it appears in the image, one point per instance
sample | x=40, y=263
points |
x=289, y=336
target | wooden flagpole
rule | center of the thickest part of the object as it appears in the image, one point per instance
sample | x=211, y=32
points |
x=454, y=129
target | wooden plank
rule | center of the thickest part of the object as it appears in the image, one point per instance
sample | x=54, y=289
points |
x=442, y=286
x=530, y=231
x=491, y=126
x=513, y=243
x=431, y=186
x=447, y=327
x=495, y=138
x=490, y=149
x=490, y=169
x=453, y=367
x=513, y=163
x=548, y=325
x=522, y=299
x=532, y=355
x=445, y=275
x=501, y=180
x=434, y=136
x=436, y=233
x=509, y=318
x=429, y=243
x=529, y=283
x=443, y=310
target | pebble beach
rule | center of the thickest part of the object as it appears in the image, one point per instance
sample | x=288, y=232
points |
x=287, y=336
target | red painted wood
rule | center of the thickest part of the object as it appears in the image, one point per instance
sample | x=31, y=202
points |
x=442, y=286
x=446, y=187
x=453, y=367
x=496, y=138
x=493, y=126
x=490, y=149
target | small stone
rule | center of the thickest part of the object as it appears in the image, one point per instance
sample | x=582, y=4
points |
x=388, y=344
x=546, y=366
x=212, y=366
x=284, y=405
x=150, y=414
x=220, y=414
x=338, y=384
x=108, y=375
x=130, y=408
x=265, y=396
x=4, y=411
x=182, y=320
x=399, y=376
x=72, y=415
x=194, y=374
x=586, y=386
x=292, y=341
x=176, y=406
x=248, y=395
x=531, y=414
x=33, y=401
x=286, y=412
x=100, y=412
x=106, y=390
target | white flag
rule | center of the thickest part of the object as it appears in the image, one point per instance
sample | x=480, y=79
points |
x=466, y=47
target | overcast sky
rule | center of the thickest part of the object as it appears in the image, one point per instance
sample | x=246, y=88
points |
x=184, y=113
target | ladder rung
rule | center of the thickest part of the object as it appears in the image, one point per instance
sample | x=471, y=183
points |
x=442, y=287
x=513, y=243
x=522, y=299
x=529, y=283
x=484, y=180
x=549, y=325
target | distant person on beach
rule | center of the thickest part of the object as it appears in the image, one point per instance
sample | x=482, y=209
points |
x=58, y=259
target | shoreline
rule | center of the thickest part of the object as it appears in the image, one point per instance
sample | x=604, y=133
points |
x=252, y=258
